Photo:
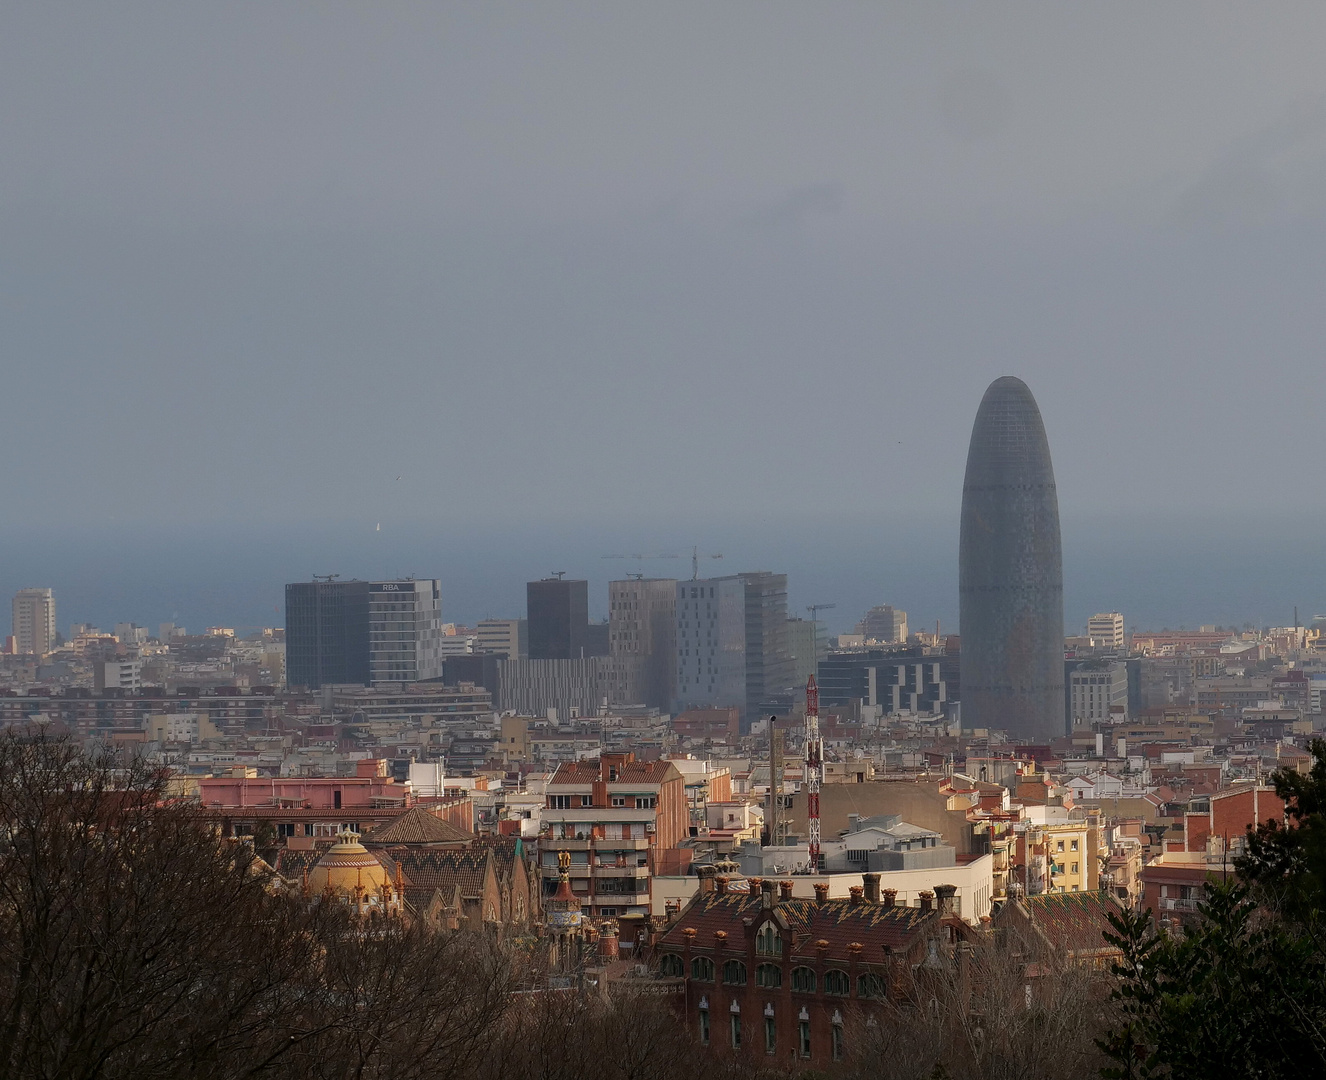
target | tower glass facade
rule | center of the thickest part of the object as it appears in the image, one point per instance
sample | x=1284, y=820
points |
x=1010, y=572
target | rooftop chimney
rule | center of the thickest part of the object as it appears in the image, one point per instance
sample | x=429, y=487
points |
x=871, y=883
x=767, y=894
x=784, y=891
x=756, y=884
x=855, y=893
x=888, y=897
x=821, y=892
x=720, y=886
x=945, y=893
x=927, y=901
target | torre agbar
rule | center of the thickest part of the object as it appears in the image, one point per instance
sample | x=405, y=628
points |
x=1010, y=572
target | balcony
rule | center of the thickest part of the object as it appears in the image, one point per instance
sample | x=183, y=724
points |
x=584, y=843
x=1175, y=903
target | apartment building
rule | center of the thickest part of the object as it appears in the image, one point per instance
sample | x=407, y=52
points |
x=614, y=816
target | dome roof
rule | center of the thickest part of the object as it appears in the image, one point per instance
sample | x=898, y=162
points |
x=346, y=867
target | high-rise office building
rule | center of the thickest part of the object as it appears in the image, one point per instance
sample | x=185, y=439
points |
x=642, y=625
x=732, y=642
x=807, y=644
x=365, y=632
x=558, y=611
x=34, y=621
x=1105, y=629
x=1010, y=572
x=768, y=659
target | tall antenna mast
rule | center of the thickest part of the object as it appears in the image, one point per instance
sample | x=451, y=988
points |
x=814, y=771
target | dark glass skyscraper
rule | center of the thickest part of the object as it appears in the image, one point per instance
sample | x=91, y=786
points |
x=1010, y=572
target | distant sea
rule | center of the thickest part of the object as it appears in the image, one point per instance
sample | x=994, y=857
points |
x=1160, y=572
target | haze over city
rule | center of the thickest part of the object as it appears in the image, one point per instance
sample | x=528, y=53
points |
x=593, y=282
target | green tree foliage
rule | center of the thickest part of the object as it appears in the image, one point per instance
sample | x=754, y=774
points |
x=1240, y=991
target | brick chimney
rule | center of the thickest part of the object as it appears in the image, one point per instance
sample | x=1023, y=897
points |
x=767, y=894
x=945, y=894
x=888, y=897
x=871, y=883
x=855, y=892
x=927, y=901
x=821, y=892
x=756, y=884
x=720, y=886
x=784, y=891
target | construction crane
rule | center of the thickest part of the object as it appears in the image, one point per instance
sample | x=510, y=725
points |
x=815, y=609
x=695, y=559
x=814, y=771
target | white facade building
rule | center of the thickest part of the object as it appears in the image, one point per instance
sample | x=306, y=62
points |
x=1105, y=629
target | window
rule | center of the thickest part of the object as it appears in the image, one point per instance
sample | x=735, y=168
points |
x=870, y=986
x=770, y=1036
x=1060, y=847
x=1075, y=868
x=736, y=1031
x=768, y=942
x=1072, y=845
x=702, y=968
x=586, y=800
x=671, y=964
x=734, y=973
x=835, y=982
x=803, y=980
x=704, y=1027
x=836, y=1041
x=559, y=802
x=803, y=1033
x=769, y=976
x=619, y=800
x=646, y=802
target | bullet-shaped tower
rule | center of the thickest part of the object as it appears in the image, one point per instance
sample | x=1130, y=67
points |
x=1010, y=572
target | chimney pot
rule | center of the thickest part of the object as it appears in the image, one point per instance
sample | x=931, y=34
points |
x=871, y=884
x=784, y=890
x=720, y=886
x=945, y=894
x=889, y=897
x=855, y=892
x=766, y=894
x=821, y=892
x=927, y=901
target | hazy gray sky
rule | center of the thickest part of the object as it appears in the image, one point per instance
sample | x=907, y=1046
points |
x=571, y=263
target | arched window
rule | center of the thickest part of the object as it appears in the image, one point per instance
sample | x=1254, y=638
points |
x=734, y=973
x=702, y=969
x=670, y=964
x=871, y=986
x=769, y=975
x=835, y=982
x=803, y=980
x=768, y=942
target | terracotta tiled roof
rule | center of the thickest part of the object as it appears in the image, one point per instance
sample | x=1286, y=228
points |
x=1072, y=921
x=429, y=869
x=839, y=922
x=418, y=826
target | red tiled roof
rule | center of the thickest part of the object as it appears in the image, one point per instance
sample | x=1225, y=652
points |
x=1072, y=921
x=418, y=826
x=839, y=922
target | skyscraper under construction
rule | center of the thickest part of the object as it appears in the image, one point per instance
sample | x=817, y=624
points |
x=1010, y=572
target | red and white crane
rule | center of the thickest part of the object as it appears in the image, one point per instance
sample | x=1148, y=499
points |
x=814, y=771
